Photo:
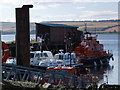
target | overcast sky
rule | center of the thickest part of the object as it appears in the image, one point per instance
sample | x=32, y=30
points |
x=61, y=10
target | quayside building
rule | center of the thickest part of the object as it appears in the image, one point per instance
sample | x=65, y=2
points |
x=59, y=36
x=55, y=37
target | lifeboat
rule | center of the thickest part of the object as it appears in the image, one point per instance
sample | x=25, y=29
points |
x=67, y=70
x=91, y=53
x=5, y=52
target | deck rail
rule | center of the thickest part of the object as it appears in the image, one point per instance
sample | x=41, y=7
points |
x=20, y=73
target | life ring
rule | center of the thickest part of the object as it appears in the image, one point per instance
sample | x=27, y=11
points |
x=5, y=52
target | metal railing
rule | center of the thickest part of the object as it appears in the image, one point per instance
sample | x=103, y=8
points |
x=20, y=73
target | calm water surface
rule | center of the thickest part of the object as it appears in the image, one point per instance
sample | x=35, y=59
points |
x=110, y=42
x=7, y=38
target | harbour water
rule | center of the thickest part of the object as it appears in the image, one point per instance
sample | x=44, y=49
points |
x=108, y=73
x=7, y=38
x=110, y=42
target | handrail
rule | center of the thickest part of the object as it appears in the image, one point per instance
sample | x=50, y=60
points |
x=20, y=73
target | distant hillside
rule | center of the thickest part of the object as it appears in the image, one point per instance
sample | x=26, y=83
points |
x=94, y=26
x=10, y=27
x=102, y=26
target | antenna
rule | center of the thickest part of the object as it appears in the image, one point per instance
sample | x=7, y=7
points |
x=85, y=27
x=96, y=32
x=86, y=32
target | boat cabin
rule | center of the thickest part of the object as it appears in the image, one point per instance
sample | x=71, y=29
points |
x=39, y=54
x=65, y=58
x=68, y=70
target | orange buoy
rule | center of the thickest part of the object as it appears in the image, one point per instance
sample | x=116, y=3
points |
x=5, y=52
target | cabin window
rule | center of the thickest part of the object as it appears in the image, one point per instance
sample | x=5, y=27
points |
x=45, y=54
x=61, y=57
x=31, y=55
x=66, y=57
x=37, y=55
x=41, y=54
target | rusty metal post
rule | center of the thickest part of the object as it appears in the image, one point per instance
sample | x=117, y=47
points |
x=23, y=36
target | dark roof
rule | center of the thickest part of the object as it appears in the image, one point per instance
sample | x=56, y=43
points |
x=87, y=33
x=57, y=25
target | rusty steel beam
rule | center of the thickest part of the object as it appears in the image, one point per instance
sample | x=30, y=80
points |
x=23, y=36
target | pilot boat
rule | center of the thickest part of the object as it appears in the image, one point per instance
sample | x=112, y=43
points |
x=67, y=59
x=38, y=58
x=91, y=53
